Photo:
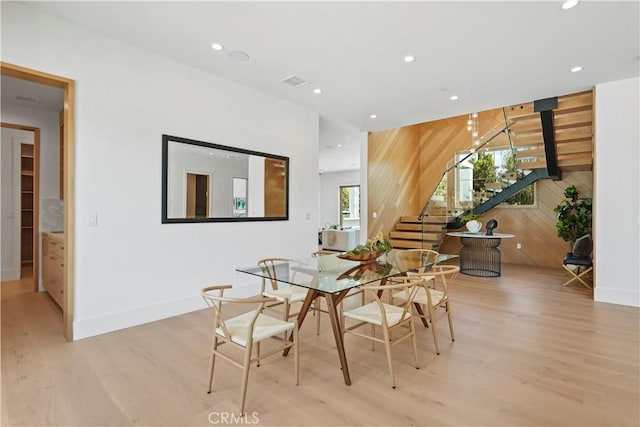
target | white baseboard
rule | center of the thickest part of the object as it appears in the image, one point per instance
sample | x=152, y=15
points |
x=9, y=274
x=109, y=322
x=617, y=296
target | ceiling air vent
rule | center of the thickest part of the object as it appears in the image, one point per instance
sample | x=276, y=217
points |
x=294, y=81
x=21, y=98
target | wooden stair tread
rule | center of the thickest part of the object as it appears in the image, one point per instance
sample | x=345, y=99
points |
x=414, y=235
x=412, y=244
x=403, y=226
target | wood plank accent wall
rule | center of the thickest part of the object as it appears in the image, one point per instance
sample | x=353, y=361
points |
x=534, y=227
x=406, y=164
x=393, y=177
x=274, y=188
x=440, y=140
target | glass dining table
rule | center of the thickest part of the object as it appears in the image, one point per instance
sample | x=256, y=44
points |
x=332, y=277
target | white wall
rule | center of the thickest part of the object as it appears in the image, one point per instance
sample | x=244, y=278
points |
x=130, y=268
x=617, y=192
x=330, y=183
x=184, y=159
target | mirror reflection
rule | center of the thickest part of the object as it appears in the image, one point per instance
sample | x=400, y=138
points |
x=204, y=182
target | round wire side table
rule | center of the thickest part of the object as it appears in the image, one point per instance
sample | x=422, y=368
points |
x=480, y=255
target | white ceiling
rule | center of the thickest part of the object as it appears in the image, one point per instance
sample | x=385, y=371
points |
x=31, y=95
x=490, y=54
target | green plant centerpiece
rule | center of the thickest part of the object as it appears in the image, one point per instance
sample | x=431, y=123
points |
x=379, y=243
x=469, y=217
x=574, y=215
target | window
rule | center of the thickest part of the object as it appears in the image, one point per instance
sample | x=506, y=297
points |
x=350, y=206
x=491, y=172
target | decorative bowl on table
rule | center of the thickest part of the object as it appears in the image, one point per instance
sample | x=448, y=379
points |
x=363, y=257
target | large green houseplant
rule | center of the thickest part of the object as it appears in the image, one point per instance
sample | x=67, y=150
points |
x=574, y=215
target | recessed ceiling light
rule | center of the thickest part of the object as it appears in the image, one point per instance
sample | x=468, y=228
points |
x=217, y=46
x=453, y=97
x=373, y=116
x=317, y=90
x=409, y=58
x=568, y=4
x=339, y=145
x=576, y=69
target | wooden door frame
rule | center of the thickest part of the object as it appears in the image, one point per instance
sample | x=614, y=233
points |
x=36, y=198
x=68, y=86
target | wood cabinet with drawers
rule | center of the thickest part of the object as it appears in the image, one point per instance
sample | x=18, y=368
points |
x=53, y=266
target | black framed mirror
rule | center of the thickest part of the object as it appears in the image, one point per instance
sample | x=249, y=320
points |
x=206, y=182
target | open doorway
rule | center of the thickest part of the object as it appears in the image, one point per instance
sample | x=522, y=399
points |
x=197, y=195
x=67, y=85
x=20, y=208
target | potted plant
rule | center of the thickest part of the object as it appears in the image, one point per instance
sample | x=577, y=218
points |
x=471, y=221
x=574, y=216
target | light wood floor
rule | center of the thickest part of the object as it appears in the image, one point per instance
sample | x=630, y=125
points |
x=527, y=353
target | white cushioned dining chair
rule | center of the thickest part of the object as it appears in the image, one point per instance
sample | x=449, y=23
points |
x=433, y=297
x=386, y=317
x=245, y=330
x=285, y=295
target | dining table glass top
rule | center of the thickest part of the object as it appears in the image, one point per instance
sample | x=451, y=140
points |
x=333, y=274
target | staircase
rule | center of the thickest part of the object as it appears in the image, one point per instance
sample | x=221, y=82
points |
x=572, y=128
x=522, y=135
x=411, y=233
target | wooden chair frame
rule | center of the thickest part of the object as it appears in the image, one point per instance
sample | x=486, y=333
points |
x=429, y=254
x=410, y=287
x=214, y=297
x=438, y=274
x=269, y=266
x=318, y=305
x=578, y=274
